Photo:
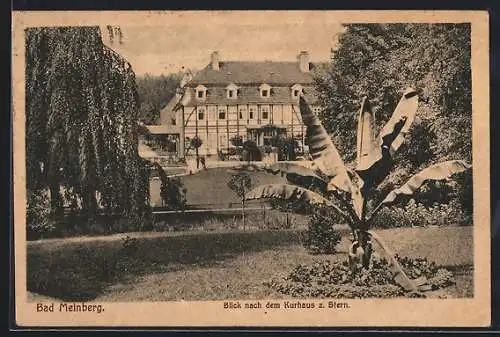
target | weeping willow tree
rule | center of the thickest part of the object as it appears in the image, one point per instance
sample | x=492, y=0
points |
x=81, y=131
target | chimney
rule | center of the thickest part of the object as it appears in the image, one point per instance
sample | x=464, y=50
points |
x=303, y=59
x=214, y=60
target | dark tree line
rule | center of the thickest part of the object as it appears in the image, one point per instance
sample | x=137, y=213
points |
x=380, y=61
x=81, y=126
x=154, y=93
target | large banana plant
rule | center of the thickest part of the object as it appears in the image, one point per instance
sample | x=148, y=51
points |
x=329, y=182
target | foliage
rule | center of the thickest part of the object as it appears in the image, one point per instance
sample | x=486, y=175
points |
x=320, y=236
x=172, y=191
x=39, y=216
x=154, y=93
x=236, y=141
x=377, y=59
x=173, y=194
x=196, y=142
x=240, y=183
x=350, y=192
x=286, y=147
x=416, y=214
x=81, y=124
x=251, y=151
x=325, y=279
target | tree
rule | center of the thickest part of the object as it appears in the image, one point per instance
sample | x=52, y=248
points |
x=251, y=151
x=236, y=141
x=154, y=93
x=348, y=191
x=196, y=143
x=172, y=191
x=377, y=60
x=81, y=130
x=380, y=58
x=240, y=183
x=286, y=147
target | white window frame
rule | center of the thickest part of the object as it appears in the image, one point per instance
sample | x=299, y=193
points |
x=232, y=88
x=201, y=111
x=297, y=87
x=265, y=88
x=203, y=90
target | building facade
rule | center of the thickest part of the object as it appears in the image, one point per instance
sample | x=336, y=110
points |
x=252, y=100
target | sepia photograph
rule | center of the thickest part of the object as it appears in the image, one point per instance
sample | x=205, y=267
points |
x=256, y=168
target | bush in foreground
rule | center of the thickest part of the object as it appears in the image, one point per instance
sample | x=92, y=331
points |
x=327, y=279
x=320, y=236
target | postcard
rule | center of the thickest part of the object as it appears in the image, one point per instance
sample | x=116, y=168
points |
x=251, y=168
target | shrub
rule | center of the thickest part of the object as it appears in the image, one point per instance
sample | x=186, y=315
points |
x=251, y=151
x=173, y=193
x=416, y=214
x=320, y=236
x=278, y=221
x=39, y=216
x=326, y=279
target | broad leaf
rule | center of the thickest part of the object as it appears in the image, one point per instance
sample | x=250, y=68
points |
x=324, y=153
x=292, y=193
x=366, y=135
x=438, y=171
x=298, y=175
x=287, y=192
x=396, y=270
x=284, y=168
x=376, y=165
x=356, y=196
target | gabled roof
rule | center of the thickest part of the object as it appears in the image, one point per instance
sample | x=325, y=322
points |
x=168, y=111
x=245, y=72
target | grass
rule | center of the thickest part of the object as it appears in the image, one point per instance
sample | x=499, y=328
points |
x=217, y=265
x=209, y=187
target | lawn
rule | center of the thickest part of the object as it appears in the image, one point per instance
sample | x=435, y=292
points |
x=211, y=265
x=209, y=187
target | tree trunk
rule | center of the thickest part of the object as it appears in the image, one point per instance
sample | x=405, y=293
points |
x=243, y=212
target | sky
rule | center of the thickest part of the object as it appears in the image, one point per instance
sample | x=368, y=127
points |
x=186, y=43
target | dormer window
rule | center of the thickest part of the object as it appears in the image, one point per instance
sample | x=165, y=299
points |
x=201, y=92
x=232, y=91
x=296, y=90
x=265, y=90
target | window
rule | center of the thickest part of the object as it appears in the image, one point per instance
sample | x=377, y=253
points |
x=265, y=113
x=296, y=90
x=265, y=90
x=201, y=115
x=268, y=136
x=201, y=92
x=174, y=121
x=250, y=113
x=241, y=113
x=232, y=91
x=222, y=114
x=223, y=140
